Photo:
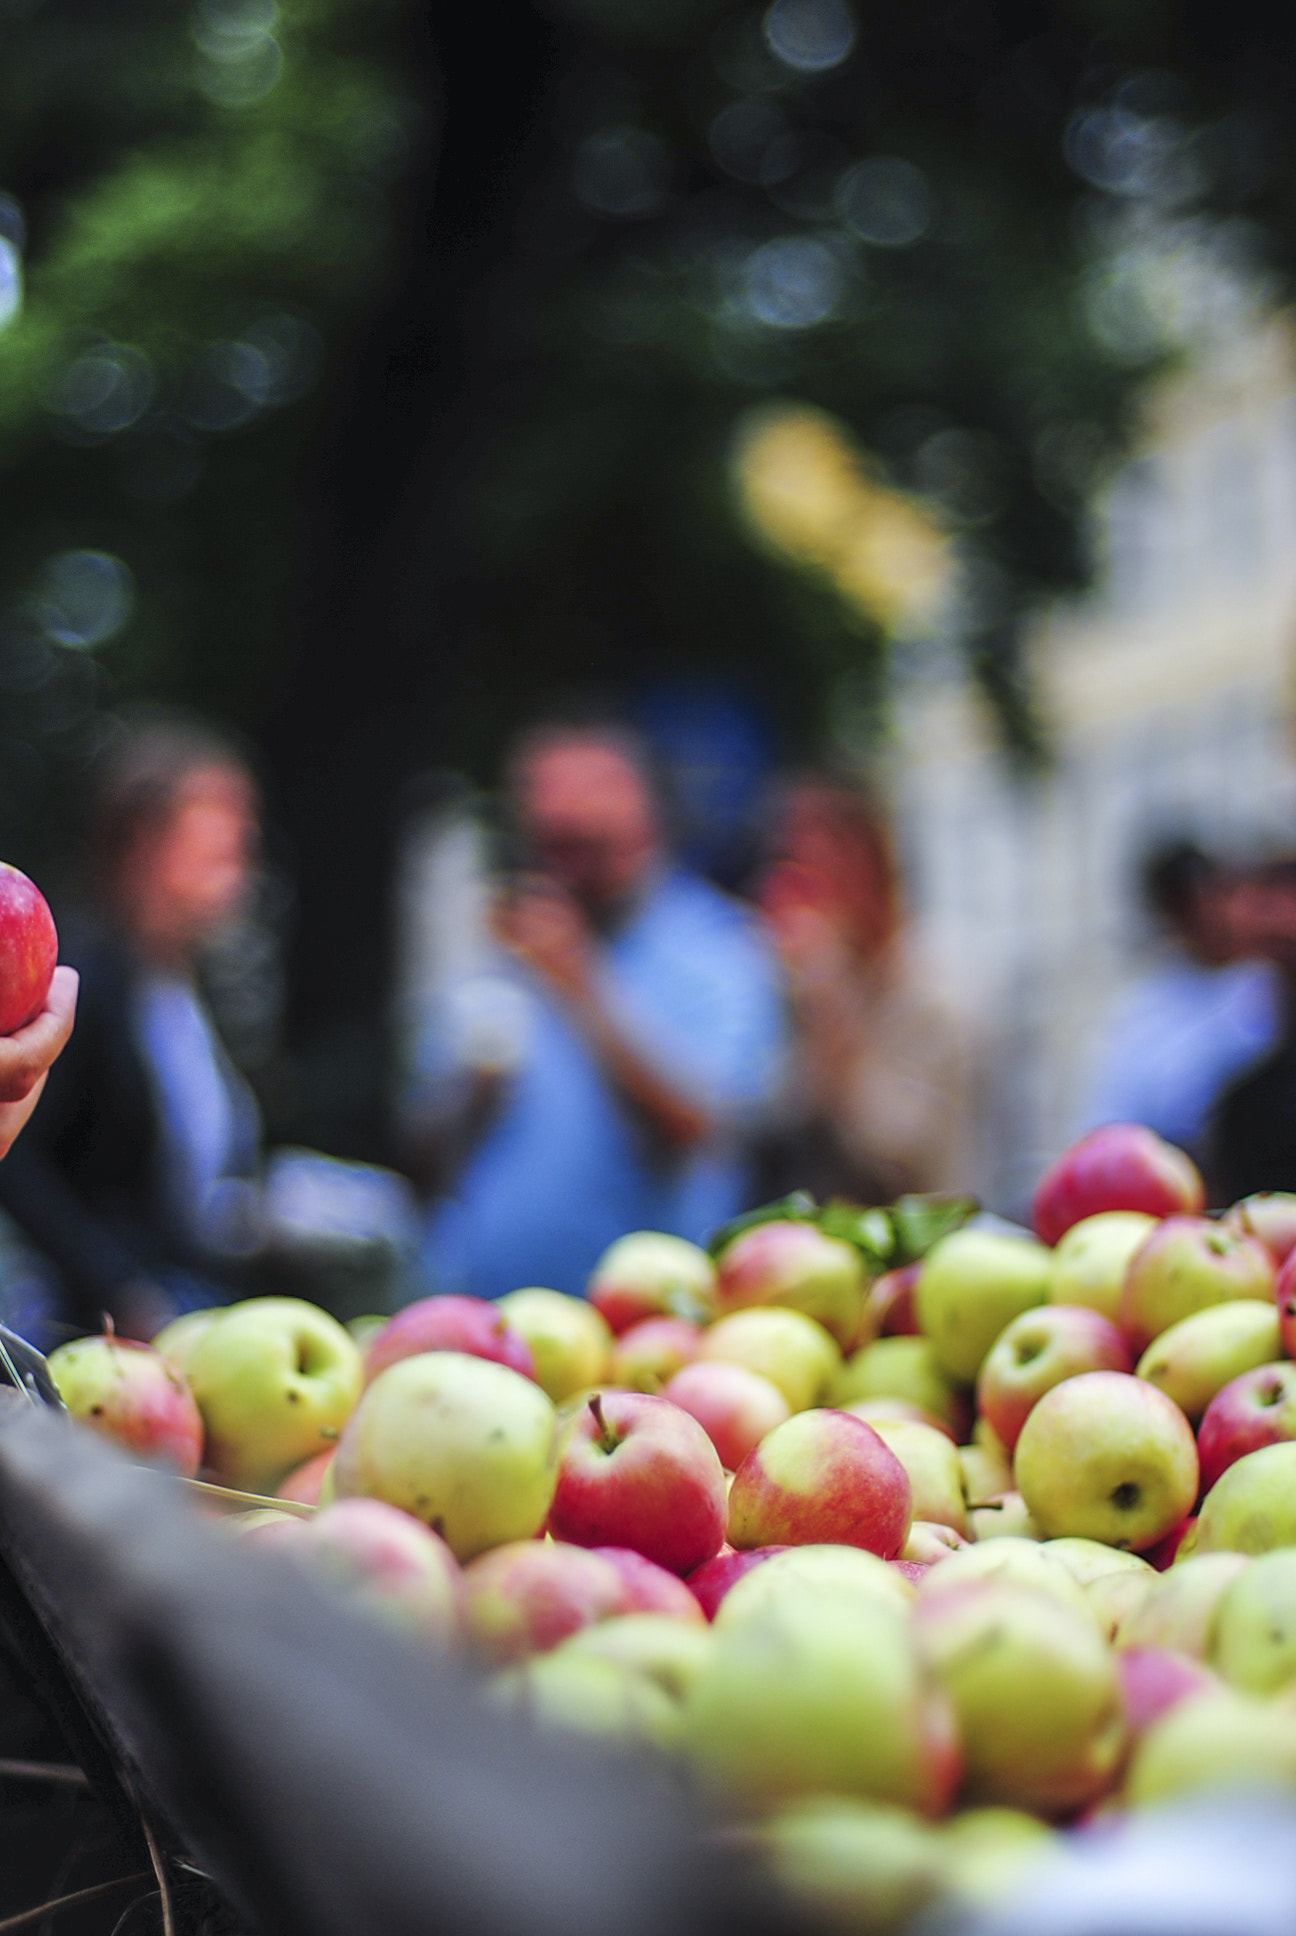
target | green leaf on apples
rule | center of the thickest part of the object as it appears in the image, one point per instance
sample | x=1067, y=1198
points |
x=800, y=1207
x=886, y=1235
x=921, y=1221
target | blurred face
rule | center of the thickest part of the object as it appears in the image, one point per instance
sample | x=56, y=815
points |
x=186, y=877
x=1262, y=917
x=588, y=816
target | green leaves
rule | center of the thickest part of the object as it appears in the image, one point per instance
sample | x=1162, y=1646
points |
x=886, y=1236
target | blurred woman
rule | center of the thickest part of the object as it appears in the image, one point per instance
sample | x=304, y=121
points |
x=881, y=1092
x=132, y=1180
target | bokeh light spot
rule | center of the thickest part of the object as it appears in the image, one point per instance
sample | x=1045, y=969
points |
x=84, y=597
x=810, y=35
x=622, y=171
x=793, y=282
x=104, y=390
x=886, y=201
x=11, y=287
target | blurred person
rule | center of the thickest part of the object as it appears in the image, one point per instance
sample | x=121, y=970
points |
x=1186, y=1030
x=134, y=1178
x=1251, y=1142
x=27, y=1055
x=882, y=1091
x=596, y=1071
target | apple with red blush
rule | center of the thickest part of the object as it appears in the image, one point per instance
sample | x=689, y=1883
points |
x=648, y=1355
x=1121, y=1166
x=651, y=1274
x=797, y=1266
x=888, y=1310
x=304, y=1481
x=734, y=1406
x=28, y=950
x=1285, y=1293
x=710, y=1582
x=823, y=1478
x=634, y=1470
x=1269, y=1215
x=1037, y=1351
x=649, y=1588
x=1257, y=1408
x=523, y=1598
x=1155, y=1679
x=129, y=1393
x=471, y=1325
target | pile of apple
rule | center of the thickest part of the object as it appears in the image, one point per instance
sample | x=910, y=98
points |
x=911, y=1538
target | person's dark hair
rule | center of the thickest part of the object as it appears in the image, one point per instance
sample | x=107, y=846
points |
x=1172, y=875
x=140, y=774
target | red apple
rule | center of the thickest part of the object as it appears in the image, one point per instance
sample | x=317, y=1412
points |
x=1153, y=1680
x=912, y=1570
x=1165, y=1552
x=650, y=1274
x=1185, y=1265
x=710, y=1582
x=128, y=1392
x=304, y=1482
x=794, y=1265
x=634, y=1470
x=525, y=1597
x=734, y=1406
x=1258, y=1408
x=823, y=1478
x=471, y=1325
x=1285, y=1292
x=879, y=1410
x=1037, y=1351
x=1121, y=1166
x=391, y=1561
x=648, y=1355
x=1270, y=1215
x=649, y=1588
x=28, y=949
x=889, y=1307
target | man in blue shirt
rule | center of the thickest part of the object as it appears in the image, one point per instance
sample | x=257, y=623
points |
x=645, y=1024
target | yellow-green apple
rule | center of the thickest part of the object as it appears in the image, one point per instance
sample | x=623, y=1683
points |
x=671, y=1653
x=824, y=1476
x=1113, y=1597
x=1178, y=1610
x=788, y=1348
x=710, y=1582
x=1009, y=1560
x=971, y=1285
x=649, y=1274
x=935, y=1475
x=526, y=1596
x=904, y=1368
x=1008, y=1516
x=734, y=1406
x=1285, y=1294
x=929, y=1542
x=28, y=949
x=275, y=1379
x=1201, y=1354
x=797, y=1580
x=1107, y=1456
x=1153, y=1680
x=1087, y=1560
x=1256, y=1408
x=175, y=1340
x=1269, y=1215
x=1251, y=1508
x=1121, y=1166
x=649, y=1588
x=1035, y=1693
x=1089, y=1263
x=389, y=1562
x=365, y=1327
x=794, y=1265
x=580, y=1693
x=1037, y=1351
x=1215, y=1740
x=822, y=1697
x=570, y=1344
x=129, y=1393
x=888, y=1309
x=989, y=1852
x=873, y=1409
x=1189, y=1264
x=472, y=1325
x=1252, y=1641
x=648, y=1355
x=304, y=1481
x=986, y=1465
x=634, y=1470
x=854, y=1865
x=465, y=1445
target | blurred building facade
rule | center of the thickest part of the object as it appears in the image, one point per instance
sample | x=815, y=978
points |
x=1168, y=694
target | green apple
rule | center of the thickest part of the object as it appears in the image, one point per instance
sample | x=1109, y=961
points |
x=669, y=1652
x=1114, y=1597
x=1035, y=1691
x=991, y=1851
x=986, y=1468
x=276, y=1380
x=903, y=1368
x=583, y=1694
x=175, y=1340
x=1199, y=1355
x=1089, y=1262
x=971, y=1285
x=1005, y=1517
x=1177, y=1612
x=855, y=1865
x=792, y=1584
x=791, y=1350
x=1188, y=1264
x=929, y=1542
x=1089, y=1559
x=1253, y=1637
x=1008, y=1561
x=466, y=1445
x=1251, y=1508
x=828, y=1696
x=935, y=1475
x=1107, y=1456
x=570, y=1343
x=1214, y=1740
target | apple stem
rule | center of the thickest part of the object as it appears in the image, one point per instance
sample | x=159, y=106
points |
x=110, y=1329
x=607, y=1437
